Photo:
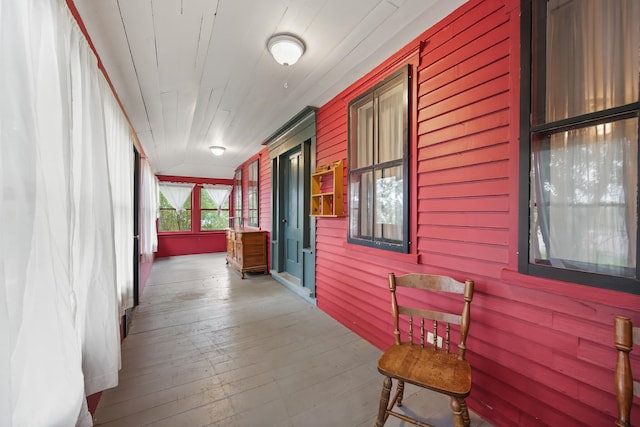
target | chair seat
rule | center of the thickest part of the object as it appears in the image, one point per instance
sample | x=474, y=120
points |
x=426, y=367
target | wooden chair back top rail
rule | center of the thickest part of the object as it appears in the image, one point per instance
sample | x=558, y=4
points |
x=429, y=314
x=430, y=282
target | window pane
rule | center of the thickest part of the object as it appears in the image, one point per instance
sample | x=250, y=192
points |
x=584, y=199
x=389, y=204
x=170, y=220
x=593, y=56
x=361, y=206
x=210, y=217
x=238, y=222
x=214, y=220
x=362, y=133
x=252, y=194
x=391, y=123
x=205, y=201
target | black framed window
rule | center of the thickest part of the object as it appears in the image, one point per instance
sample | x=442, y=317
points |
x=175, y=206
x=253, y=200
x=214, y=207
x=579, y=141
x=379, y=165
x=237, y=200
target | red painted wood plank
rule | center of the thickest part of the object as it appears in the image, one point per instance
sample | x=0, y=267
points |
x=440, y=90
x=429, y=104
x=467, y=129
x=485, y=171
x=460, y=29
x=516, y=368
x=465, y=113
x=491, y=187
x=532, y=400
x=491, y=154
x=465, y=219
x=486, y=138
x=466, y=204
x=455, y=247
x=510, y=309
x=454, y=64
x=494, y=240
x=459, y=266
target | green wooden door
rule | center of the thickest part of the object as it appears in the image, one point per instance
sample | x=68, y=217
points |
x=293, y=214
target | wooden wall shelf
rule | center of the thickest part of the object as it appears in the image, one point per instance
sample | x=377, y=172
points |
x=326, y=190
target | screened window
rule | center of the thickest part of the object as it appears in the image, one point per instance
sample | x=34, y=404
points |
x=253, y=200
x=378, y=165
x=172, y=219
x=580, y=140
x=214, y=207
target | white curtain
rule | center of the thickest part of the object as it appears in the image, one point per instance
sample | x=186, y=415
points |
x=120, y=160
x=93, y=241
x=42, y=380
x=389, y=182
x=148, y=212
x=59, y=303
x=588, y=177
x=176, y=193
x=219, y=193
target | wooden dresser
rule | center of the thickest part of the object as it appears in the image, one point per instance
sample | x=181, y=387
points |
x=247, y=251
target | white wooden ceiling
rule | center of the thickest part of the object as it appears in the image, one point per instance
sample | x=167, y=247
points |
x=195, y=73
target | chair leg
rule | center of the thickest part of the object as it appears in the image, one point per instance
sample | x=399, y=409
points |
x=465, y=412
x=384, y=401
x=460, y=412
x=400, y=393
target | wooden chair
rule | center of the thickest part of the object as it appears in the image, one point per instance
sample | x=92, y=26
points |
x=625, y=335
x=419, y=363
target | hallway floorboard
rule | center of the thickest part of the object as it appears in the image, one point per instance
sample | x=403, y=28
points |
x=207, y=348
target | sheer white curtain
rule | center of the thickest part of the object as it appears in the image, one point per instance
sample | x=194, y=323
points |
x=219, y=193
x=59, y=316
x=93, y=239
x=41, y=380
x=590, y=181
x=148, y=212
x=389, y=190
x=176, y=193
x=120, y=161
x=391, y=123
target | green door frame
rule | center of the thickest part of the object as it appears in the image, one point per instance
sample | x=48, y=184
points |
x=297, y=134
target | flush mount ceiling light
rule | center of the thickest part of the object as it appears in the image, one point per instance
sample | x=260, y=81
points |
x=217, y=150
x=285, y=48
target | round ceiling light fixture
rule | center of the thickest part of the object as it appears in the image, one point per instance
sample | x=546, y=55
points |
x=286, y=49
x=217, y=150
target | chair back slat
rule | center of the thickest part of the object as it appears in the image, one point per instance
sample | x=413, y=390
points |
x=430, y=314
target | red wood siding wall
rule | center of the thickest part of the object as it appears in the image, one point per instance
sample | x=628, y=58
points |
x=264, y=194
x=264, y=190
x=541, y=350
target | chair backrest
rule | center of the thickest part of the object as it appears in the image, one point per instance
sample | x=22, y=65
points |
x=437, y=332
x=625, y=336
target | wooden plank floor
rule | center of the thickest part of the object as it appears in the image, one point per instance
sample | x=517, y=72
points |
x=207, y=348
